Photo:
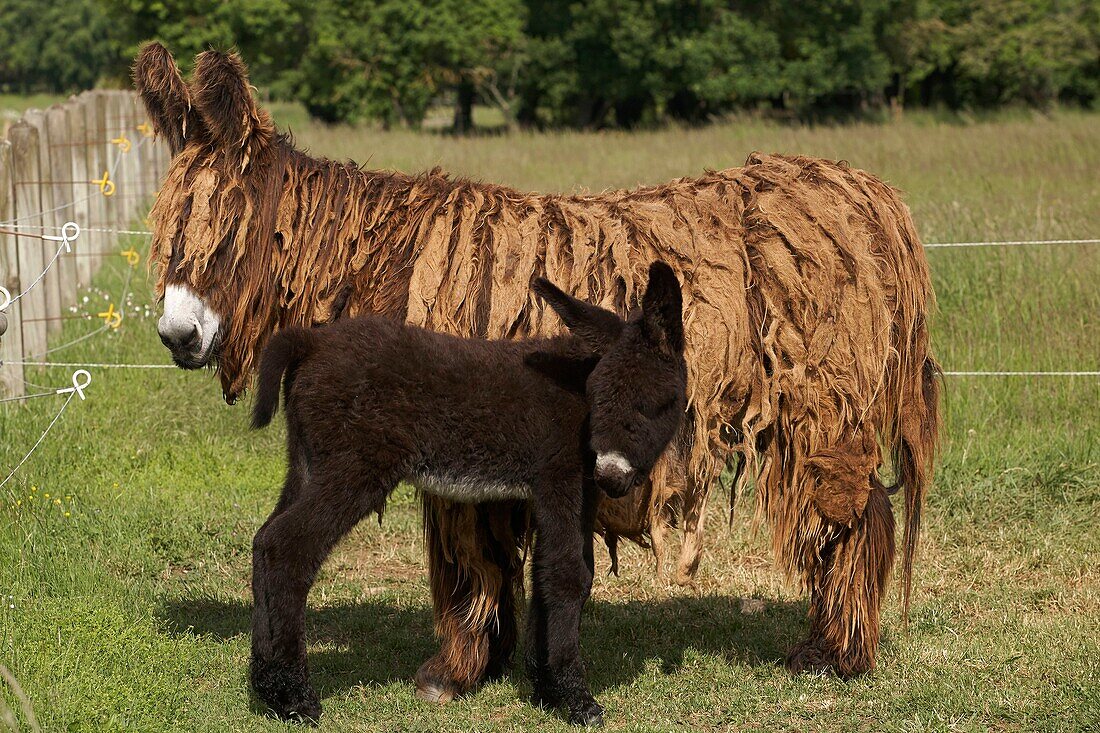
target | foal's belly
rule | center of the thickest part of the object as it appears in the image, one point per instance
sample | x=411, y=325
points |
x=469, y=489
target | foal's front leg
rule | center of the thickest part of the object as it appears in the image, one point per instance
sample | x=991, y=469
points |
x=287, y=553
x=563, y=569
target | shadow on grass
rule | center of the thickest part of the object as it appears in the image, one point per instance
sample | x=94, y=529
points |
x=378, y=643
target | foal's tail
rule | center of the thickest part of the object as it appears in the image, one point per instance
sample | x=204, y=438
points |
x=282, y=354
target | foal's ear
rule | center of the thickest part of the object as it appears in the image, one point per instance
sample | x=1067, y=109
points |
x=663, y=309
x=223, y=97
x=597, y=327
x=166, y=97
x=568, y=372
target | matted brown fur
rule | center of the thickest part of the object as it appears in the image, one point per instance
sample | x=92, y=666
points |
x=806, y=298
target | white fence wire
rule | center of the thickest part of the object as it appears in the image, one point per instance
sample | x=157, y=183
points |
x=69, y=231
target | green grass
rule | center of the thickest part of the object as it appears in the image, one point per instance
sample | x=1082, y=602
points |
x=126, y=606
x=13, y=105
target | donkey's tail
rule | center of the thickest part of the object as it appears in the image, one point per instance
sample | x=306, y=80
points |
x=283, y=352
x=914, y=455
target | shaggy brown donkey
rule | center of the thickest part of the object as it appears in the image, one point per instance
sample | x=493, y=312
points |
x=807, y=301
x=370, y=403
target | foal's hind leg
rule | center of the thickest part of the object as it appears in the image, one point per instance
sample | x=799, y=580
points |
x=287, y=553
x=261, y=632
x=846, y=594
x=509, y=530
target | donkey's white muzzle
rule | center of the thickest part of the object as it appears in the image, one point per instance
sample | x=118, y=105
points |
x=189, y=328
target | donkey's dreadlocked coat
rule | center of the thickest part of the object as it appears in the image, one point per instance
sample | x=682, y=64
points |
x=806, y=296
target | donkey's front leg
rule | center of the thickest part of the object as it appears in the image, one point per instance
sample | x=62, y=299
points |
x=287, y=553
x=563, y=569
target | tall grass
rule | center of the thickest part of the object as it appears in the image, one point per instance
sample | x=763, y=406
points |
x=126, y=605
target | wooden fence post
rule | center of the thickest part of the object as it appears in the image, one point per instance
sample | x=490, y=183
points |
x=46, y=218
x=25, y=169
x=147, y=161
x=66, y=190
x=136, y=159
x=121, y=174
x=11, y=341
x=78, y=154
x=98, y=164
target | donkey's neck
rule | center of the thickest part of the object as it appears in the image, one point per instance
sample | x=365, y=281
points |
x=356, y=229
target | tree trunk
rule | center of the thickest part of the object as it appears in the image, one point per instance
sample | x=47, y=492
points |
x=464, y=108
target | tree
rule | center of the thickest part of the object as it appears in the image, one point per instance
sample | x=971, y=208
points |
x=482, y=48
x=584, y=63
x=625, y=62
x=269, y=33
x=387, y=60
x=62, y=46
x=991, y=52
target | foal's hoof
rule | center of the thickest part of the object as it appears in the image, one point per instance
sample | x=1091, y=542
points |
x=589, y=714
x=286, y=690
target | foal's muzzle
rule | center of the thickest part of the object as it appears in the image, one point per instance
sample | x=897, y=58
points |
x=614, y=474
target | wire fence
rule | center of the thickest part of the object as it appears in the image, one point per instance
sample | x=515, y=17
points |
x=73, y=178
x=71, y=184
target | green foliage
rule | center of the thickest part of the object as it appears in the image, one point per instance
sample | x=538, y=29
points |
x=832, y=50
x=629, y=61
x=387, y=60
x=989, y=52
x=365, y=60
x=595, y=63
x=58, y=46
x=268, y=32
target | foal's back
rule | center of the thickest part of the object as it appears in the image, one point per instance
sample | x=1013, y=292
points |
x=459, y=417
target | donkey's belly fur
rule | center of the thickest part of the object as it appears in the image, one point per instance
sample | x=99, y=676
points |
x=468, y=489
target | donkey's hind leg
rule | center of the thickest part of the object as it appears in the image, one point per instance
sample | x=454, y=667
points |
x=287, y=553
x=694, y=514
x=474, y=566
x=846, y=594
x=509, y=533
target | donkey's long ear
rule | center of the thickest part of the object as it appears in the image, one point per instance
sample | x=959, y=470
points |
x=224, y=99
x=663, y=309
x=595, y=326
x=166, y=97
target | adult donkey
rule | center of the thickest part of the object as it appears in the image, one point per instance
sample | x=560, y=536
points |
x=806, y=297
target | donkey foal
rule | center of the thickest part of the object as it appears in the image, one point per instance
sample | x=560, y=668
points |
x=371, y=402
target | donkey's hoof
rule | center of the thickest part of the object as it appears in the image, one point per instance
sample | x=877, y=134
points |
x=588, y=714
x=809, y=657
x=433, y=686
x=814, y=656
x=434, y=693
x=286, y=690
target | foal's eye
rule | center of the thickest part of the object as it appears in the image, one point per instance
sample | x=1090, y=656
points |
x=656, y=409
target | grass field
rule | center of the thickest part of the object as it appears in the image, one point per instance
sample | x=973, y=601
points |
x=125, y=539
